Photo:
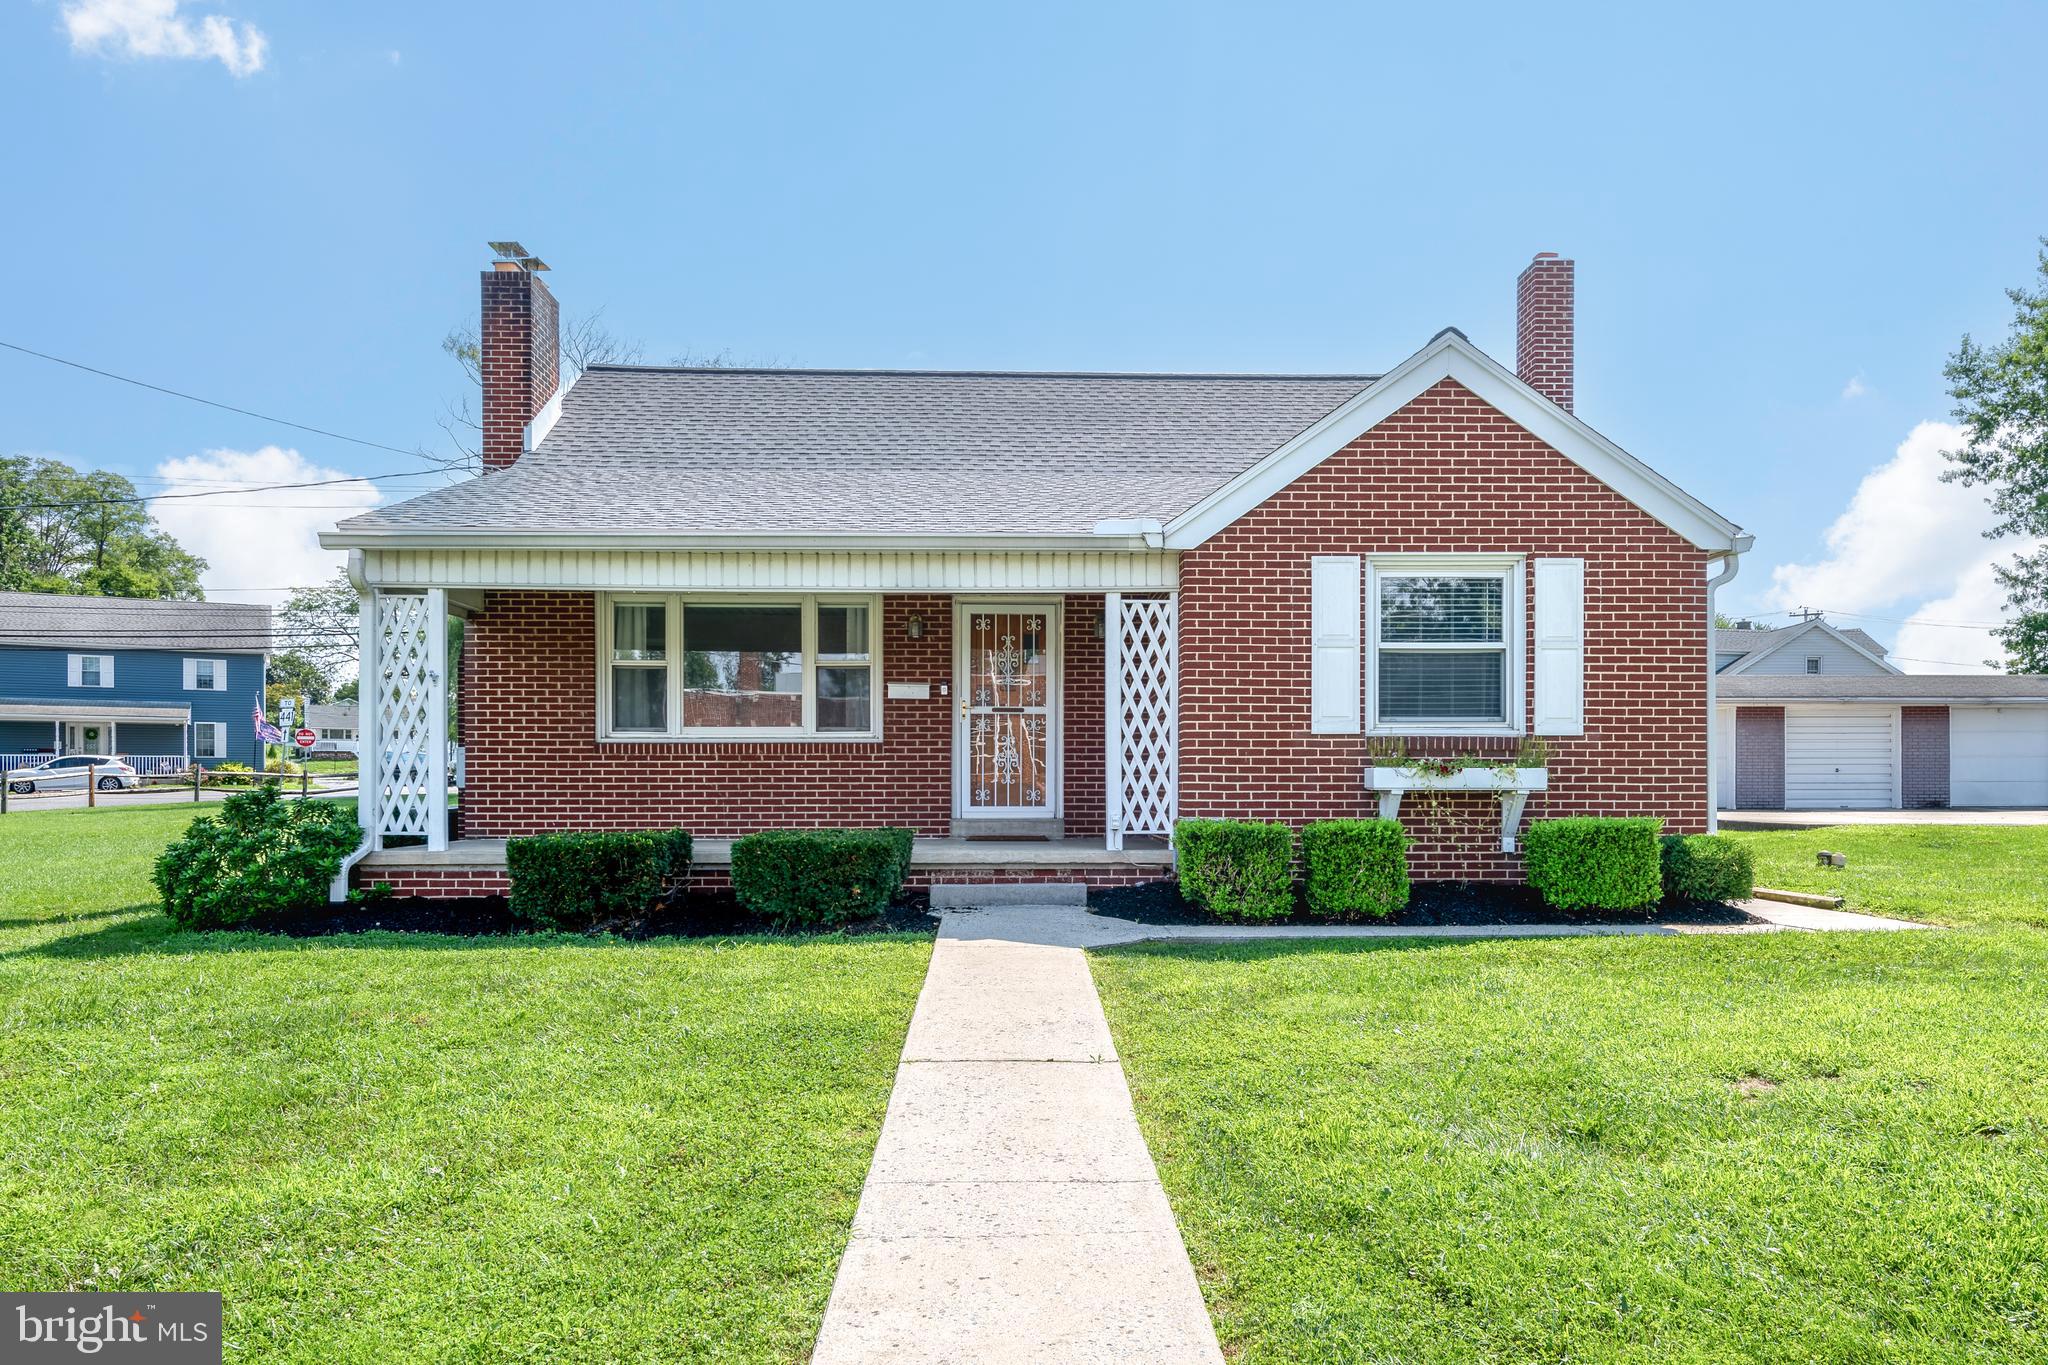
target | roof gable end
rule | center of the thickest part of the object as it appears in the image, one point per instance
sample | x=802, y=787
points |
x=1450, y=356
x=1783, y=637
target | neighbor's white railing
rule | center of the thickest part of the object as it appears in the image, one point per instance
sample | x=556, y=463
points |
x=149, y=765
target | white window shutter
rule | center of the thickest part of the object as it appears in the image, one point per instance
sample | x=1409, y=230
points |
x=191, y=675
x=1334, y=629
x=71, y=670
x=1560, y=647
x=220, y=675
x=106, y=670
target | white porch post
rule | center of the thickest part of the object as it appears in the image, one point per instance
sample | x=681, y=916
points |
x=1113, y=710
x=369, y=763
x=406, y=718
x=436, y=696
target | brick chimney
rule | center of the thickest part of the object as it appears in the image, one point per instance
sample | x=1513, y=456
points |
x=520, y=351
x=1543, y=327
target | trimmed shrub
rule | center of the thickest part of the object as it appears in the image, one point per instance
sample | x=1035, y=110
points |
x=1707, y=867
x=580, y=878
x=819, y=878
x=1355, y=867
x=1595, y=862
x=1236, y=869
x=902, y=840
x=260, y=854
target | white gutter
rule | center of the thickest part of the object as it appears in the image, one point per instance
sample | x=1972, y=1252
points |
x=366, y=818
x=812, y=541
x=1731, y=565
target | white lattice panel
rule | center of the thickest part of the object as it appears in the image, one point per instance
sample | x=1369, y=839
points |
x=410, y=715
x=1148, y=715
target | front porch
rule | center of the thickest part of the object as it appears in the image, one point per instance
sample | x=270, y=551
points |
x=1019, y=717
x=476, y=867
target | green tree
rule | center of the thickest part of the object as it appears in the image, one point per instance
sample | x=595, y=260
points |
x=292, y=674
x=2001, y=394
x=70, y=532
x=324, y=623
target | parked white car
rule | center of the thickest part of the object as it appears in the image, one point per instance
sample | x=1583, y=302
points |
x=68, y=773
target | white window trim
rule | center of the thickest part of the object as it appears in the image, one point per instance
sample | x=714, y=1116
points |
x=1512, y=569
x=76, y=666
x=673, y=646
x=220, y=739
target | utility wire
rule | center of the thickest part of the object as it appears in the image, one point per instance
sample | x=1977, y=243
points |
x=211, y=403
x=217, y=493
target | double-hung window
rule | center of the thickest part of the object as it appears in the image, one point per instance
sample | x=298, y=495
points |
x=1444, y=644
x=683, y=667
x=91, y=670
x=207, y=739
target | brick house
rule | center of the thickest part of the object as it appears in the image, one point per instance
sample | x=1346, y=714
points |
x=1034, y=616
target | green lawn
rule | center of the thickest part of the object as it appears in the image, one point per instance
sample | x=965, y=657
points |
x=1947, y=874
x=1785, y=1147
x=429, y=1149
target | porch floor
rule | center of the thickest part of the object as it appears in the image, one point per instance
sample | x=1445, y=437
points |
x=926, y=855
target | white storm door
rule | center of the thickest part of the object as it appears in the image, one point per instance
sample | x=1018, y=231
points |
x=1006, y=730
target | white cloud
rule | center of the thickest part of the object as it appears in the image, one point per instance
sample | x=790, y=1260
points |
x=155, y=28
x=1905, y=534
x=257, y=540
x=1939, y=637
x=1910, y=540
x=1855, y=388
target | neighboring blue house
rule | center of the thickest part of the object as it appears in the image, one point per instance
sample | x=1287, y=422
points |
x=161, y=684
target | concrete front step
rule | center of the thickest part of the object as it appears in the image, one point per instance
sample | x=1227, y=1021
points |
x=962, y=896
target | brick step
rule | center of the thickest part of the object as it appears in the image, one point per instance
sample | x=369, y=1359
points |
x=962, y=896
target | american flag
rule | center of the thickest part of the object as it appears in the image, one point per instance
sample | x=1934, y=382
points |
x=265, y=731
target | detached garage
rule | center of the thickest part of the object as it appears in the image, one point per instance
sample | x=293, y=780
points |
x=1881, y=742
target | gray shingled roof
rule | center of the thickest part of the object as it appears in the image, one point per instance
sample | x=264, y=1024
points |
x=1750, y=641
x=1883, y=687
x=56, y=621
x=332, y=715
x=882, y=452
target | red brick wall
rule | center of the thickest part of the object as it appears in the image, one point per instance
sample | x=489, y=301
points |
x=436, y=883
x=1447, y=473
x=1923, y=733
x=1760, y=757
x=529, y=720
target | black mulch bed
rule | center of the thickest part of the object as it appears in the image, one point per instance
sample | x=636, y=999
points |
x=707, y=915
x=1433, y=903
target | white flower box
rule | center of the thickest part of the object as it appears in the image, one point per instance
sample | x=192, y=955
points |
x=1512, y=785
x=1464, y=780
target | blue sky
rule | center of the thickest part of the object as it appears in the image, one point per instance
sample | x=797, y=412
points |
x=1784, y=218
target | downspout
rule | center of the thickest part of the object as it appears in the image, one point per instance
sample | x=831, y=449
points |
x=1731, y=564
x=365, y=812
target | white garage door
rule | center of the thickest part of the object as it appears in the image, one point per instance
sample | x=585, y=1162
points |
x=1998, y=755
x=1840, y=757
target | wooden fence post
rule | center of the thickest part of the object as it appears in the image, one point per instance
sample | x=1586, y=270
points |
x=92, y=784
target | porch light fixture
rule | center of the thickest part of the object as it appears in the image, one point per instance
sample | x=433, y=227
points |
x=914, y=627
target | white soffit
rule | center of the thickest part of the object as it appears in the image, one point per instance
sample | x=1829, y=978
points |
x=1450, y=356
x=772, y=571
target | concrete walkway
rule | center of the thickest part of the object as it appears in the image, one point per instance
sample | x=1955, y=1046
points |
x=1072, y=926
x=1012, y=1212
